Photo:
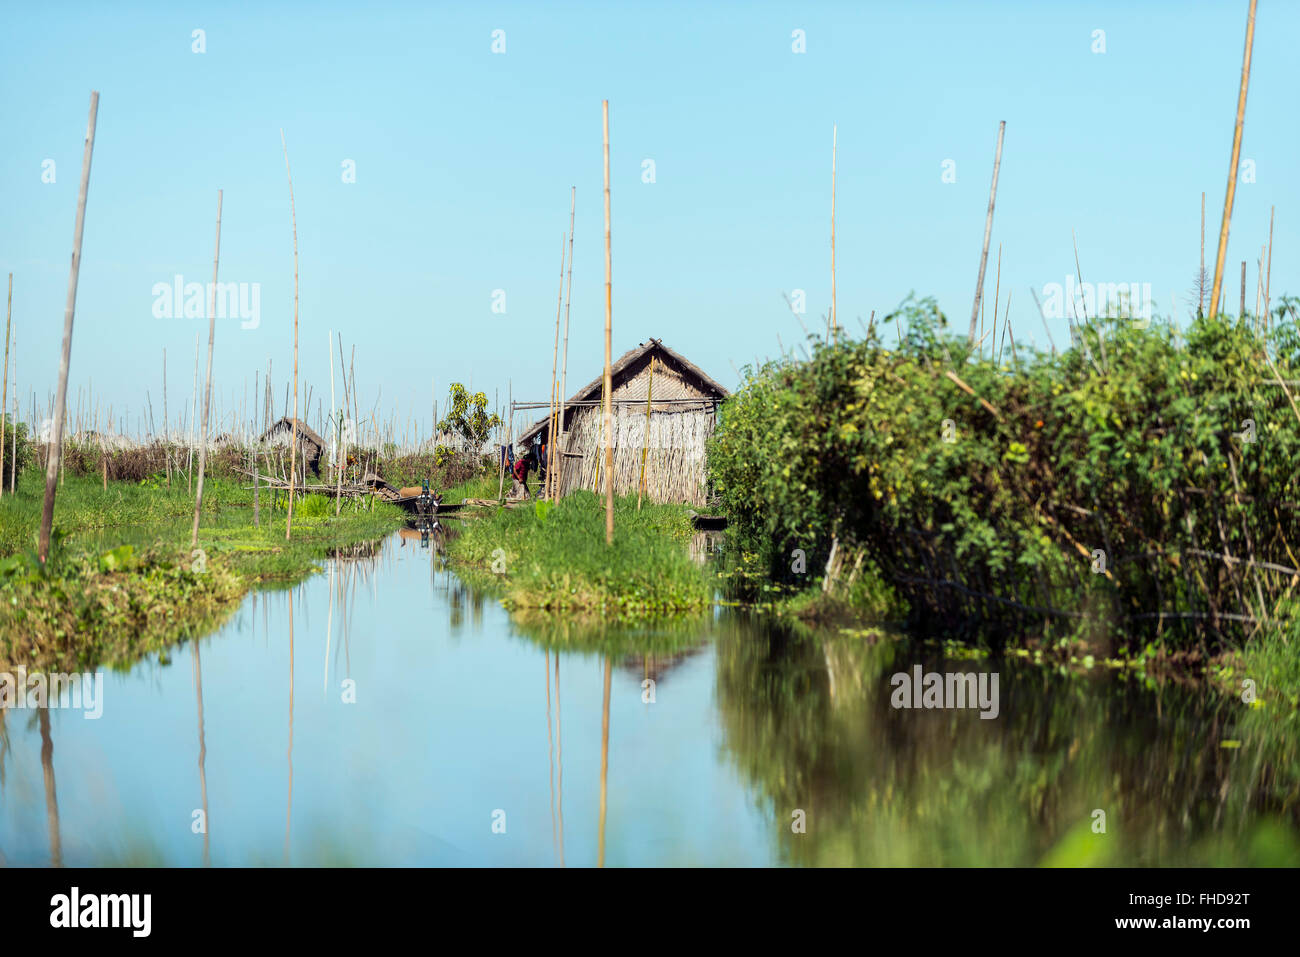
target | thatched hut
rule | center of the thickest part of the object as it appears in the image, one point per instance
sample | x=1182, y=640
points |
x=310, y=445
x=683, y=414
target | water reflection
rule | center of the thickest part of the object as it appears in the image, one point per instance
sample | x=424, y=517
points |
x=715, y=735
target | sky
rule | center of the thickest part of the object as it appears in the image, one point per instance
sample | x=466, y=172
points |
x=464, y=159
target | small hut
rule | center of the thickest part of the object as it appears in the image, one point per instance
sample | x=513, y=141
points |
x=310, y=445
x=683, y=413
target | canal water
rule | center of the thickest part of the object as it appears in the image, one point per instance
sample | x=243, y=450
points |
x=385, y=713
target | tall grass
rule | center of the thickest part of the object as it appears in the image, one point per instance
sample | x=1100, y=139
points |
x=553, y=557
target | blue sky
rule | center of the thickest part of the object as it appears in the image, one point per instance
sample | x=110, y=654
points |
x=464, y=160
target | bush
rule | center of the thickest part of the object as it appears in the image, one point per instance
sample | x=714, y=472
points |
x=1103, y=484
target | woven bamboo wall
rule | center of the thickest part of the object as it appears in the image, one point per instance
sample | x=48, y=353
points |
x=674, y=468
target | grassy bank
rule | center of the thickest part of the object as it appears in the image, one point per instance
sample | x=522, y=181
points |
x=122, y=579
x=554, y=558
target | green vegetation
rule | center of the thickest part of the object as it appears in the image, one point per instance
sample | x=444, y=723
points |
x=1083, y=493
x=553, y=557
x=122, y=579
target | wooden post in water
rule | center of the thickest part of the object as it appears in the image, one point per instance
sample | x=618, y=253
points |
x=609, y=345
x=207, y=382
x=293, y=442
x=55, y=451
x=4, y=395
x=988, y=232
x=1236, y=158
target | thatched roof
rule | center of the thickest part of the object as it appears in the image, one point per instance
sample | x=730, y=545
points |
x=284, y=426
x=626, y=366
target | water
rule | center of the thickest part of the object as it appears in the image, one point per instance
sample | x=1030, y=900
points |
x=397, y=717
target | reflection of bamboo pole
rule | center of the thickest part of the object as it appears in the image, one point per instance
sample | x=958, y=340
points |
x=55, y=451
x=203, y=753
x=288, y=808
x=1236, y=158
x=604, y=768
x=329, y=628
x=550, y=745
x=609, y=340
x=645, y=442
x=51, y=794
x=207, y=387
x=559, y=757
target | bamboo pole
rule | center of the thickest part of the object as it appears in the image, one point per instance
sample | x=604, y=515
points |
x=342, y=451
x=56, y=437
x=167, y=449
x=194, y=397
x=988, y=232
x=293, y=442
x=1236, y=158
x=831, y=325
x=207, y=382
x=1241, y=313
x=564, y=373
x=997, y=294
x=549, y=491
x=1200, y=278
x=609, y=341
x=333, y=417
x=1268, y=272
x=645, y=441
x=4, y=395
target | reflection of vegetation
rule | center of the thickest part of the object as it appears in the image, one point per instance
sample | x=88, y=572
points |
x=810, y=722
x=594, y=635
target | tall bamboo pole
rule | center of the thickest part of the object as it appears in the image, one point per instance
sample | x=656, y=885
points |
x=1236, y=158
x=4, y=395
x=1241, y=313
x=167, y=448
x=609, y=354
x=56, y=436
x=1268, y=272
x=645, y=442
x=830, y=331
x=333, y=416
x=988, y=232
x=194, y=398
x=207, y=381
x=549, y=492
x=568, y=299
x=1200, y=278
x=343, y=447
x=293, y=444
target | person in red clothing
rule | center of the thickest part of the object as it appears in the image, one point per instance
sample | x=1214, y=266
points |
x=534, y=460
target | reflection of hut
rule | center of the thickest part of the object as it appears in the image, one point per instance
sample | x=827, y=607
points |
x=310, y=445
x=683, y=414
